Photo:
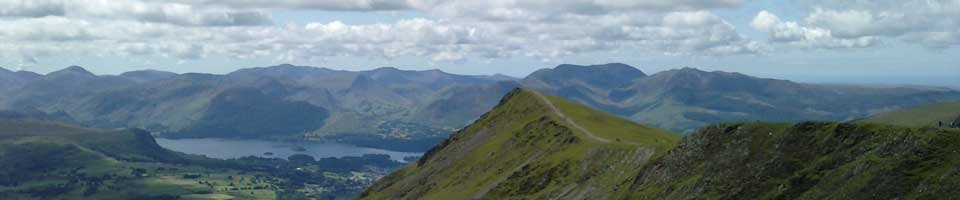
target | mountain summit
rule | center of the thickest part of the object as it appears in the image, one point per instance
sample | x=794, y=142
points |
x=530, y=145
x=72, y=70
x=600, y=76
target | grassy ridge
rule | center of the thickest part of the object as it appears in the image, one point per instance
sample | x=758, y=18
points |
x=522, y=149
x=923, y=115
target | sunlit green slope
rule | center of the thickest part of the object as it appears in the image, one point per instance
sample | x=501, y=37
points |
x=935, y=114
x=531, y=145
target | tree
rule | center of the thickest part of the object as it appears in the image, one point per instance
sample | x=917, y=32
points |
x=301, y=159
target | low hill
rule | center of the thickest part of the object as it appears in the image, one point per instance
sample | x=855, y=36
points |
x=935, y=114
x=531, y=145
x=51, y=160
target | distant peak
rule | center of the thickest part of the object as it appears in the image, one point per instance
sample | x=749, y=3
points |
x=691, y=69
x=605, y=75
x=149, y=74
x=615, y=68
x=615, y=65
x=73, y=70
x=386, y=69
x=685, y=70
x=285, y=65
x=608, y=65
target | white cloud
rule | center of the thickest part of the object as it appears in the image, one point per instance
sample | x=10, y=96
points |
x=793, y=33
x=764, y=21
x=156, y=12
x=46, y=29
x=930, y=23
x=337, y=5
x=36, y=8
x=455, y=30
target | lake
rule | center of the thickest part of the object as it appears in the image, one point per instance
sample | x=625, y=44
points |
x=236, y=148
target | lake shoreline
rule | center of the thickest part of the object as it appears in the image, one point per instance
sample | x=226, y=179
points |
x=225, y=148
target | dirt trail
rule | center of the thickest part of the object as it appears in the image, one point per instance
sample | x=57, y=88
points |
x=570, y=121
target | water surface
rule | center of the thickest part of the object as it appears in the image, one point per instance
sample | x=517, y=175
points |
x=236, y=148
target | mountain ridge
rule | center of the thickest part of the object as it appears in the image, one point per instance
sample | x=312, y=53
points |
x=420, y=107
x=528, y=138
x=748, y=160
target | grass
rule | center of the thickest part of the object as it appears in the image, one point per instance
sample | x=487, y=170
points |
x=616, y=128
x=521, y=149
x=919, y=116
x=810, y=160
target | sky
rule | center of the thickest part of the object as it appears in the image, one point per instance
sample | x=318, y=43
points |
x=887, y=42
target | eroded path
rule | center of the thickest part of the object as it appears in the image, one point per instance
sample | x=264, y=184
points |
x=568, y=120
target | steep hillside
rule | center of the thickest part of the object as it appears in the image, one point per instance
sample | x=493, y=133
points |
x=10, y=81
x=512, y=154
x=251, y=113
x=536, y=146
x=531, y=145
x=935, y=114
x=448, y=108
x=810, y=160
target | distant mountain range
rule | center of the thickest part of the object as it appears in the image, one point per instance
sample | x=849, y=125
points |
x=411, y=110
x=683, y=100
x=537, y=146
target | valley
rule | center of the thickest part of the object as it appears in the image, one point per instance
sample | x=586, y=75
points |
x=570, y=132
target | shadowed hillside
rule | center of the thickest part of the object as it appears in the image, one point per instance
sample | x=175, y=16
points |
x=809, y=160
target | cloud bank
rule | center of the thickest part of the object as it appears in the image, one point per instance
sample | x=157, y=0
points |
x=859, y=24
x=455, y=30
